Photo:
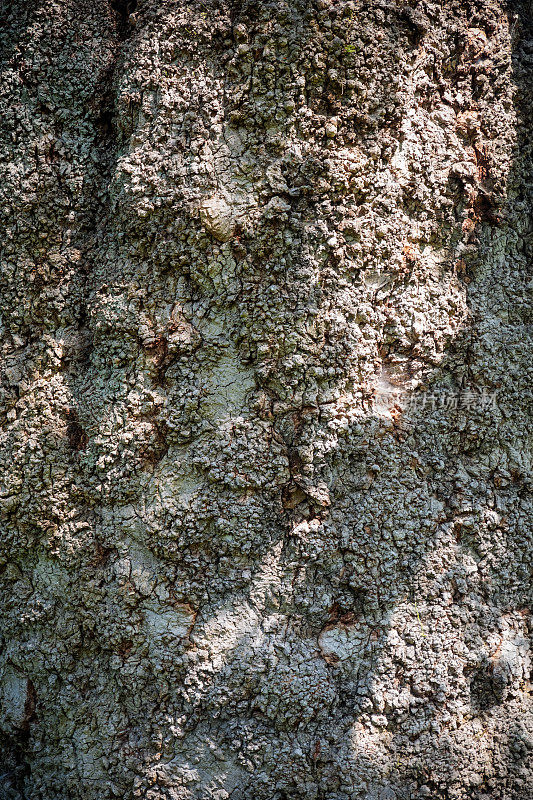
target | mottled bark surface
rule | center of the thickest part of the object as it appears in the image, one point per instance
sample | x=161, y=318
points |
x=266, y=394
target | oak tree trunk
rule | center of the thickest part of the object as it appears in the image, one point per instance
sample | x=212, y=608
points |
x=265, y=486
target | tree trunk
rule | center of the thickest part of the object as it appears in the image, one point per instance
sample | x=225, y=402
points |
x=266, y=392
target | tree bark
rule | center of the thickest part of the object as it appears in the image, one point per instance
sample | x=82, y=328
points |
x=265, y=486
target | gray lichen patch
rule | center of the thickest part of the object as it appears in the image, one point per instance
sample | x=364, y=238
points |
x=228, y=386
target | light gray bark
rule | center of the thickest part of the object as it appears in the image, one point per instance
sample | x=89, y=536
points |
x=266, y=392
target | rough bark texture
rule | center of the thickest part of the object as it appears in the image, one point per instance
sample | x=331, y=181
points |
x=266, y=377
